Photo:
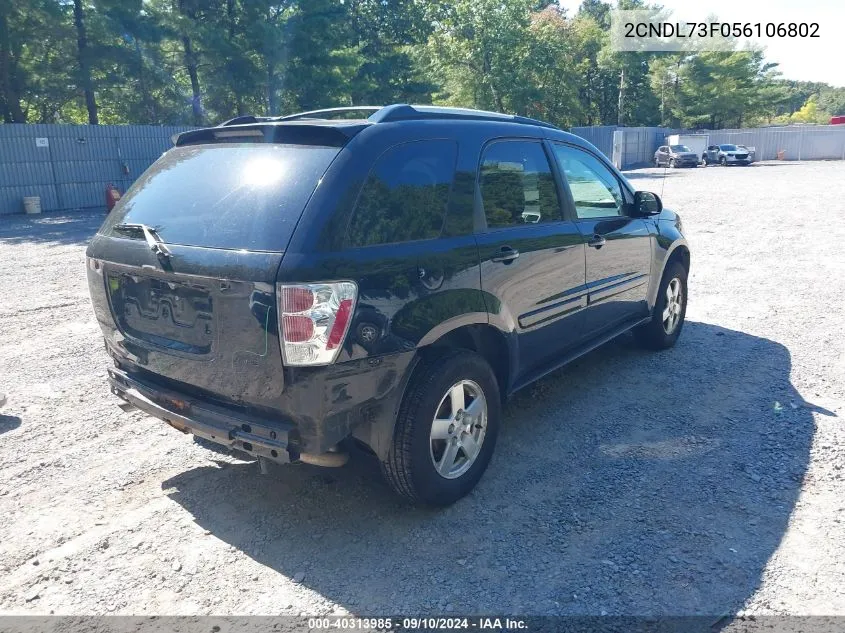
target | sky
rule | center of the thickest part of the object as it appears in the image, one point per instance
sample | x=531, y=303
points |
x=821, y=59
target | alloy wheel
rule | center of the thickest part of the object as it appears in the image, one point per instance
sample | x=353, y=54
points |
x=674, y=306
x=458, y=429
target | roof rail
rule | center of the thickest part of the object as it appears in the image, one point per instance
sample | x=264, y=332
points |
x=404, y=112
x=246, y=118
x=328, y=113
x=396, y=112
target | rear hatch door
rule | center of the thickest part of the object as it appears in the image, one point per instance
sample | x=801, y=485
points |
x=184, y=268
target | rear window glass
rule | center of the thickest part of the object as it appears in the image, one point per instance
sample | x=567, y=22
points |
x=405, y=195
x=238, y=196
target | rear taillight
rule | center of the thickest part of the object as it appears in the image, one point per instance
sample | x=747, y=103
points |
x=314, y=319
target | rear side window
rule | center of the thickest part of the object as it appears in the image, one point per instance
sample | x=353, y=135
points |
x=517, y=185
x=405, y=195
x=233, y=196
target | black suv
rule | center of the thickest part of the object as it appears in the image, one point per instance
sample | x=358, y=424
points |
x=289, y=286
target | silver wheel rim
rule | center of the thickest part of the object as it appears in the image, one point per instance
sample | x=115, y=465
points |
x=674, y=305
x=458, y=429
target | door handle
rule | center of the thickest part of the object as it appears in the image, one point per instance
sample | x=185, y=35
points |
x=506, y=255
x=597, y=242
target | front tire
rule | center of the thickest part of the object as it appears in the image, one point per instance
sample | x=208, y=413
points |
x=670, y=309
x=723, y=161
x=672, y=163
x=446, y=430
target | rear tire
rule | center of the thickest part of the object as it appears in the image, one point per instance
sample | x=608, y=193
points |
x=412, y=467
x=666, y=324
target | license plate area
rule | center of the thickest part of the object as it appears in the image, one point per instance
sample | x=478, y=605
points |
x=174, y=315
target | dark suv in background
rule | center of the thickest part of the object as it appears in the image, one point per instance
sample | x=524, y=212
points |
x=675, y=156
x=286, y=286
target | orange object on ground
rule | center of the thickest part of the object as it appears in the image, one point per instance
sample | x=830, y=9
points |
x=112, y=196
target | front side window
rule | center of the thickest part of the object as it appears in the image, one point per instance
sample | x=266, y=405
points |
x=595, y=190
x=405, y=196
x=516, y=184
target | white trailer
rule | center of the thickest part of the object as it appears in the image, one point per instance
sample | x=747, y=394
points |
x=696, y=142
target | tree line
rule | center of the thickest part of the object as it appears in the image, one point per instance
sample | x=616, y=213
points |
x=199, y=62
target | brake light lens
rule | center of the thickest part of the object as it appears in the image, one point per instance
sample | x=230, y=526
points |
x=314, y=320
x=296, y=299
x=298, y=329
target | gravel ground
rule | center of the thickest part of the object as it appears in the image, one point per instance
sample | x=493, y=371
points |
x=707, y=479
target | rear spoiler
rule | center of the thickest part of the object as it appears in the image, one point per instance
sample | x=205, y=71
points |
x=324, y=133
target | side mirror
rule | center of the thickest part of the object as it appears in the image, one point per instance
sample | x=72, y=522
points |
x=647, y=203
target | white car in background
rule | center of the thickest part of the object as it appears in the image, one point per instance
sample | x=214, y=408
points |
x=726, y=154
x=752, y=152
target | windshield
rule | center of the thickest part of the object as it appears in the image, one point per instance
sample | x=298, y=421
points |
x=234, y=196
x=680, y=148
x=727, y=148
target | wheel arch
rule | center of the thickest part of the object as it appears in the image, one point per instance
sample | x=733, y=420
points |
x=680, y=253
x=482, y=338
x=677, y=251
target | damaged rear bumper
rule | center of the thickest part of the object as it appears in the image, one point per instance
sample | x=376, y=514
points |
x=274, y=441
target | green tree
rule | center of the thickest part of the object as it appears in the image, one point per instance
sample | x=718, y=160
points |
x=11, y=74
x=720, y=89
x=810, y=112
x=37, y=61
x=203, y=61
x=83, y=60
x=479, y=48
x=507, y=57
x=665, y=78
x=386, y=35
x=832, y=100
x=552, y=61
